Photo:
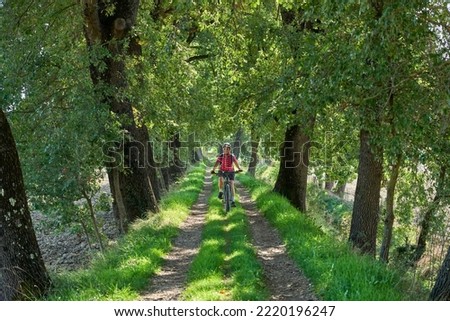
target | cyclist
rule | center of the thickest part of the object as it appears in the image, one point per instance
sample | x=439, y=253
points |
x=226, y=161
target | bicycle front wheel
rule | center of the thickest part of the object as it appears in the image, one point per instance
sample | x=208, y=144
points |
x=227, y=198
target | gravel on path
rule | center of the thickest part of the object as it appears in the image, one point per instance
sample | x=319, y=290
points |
x=283, y=278
x=168, y=284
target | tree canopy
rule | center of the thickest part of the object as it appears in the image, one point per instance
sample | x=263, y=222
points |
x=363, y=84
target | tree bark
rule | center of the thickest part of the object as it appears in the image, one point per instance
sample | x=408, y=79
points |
x=329, y=184
x=254, y=144
x=177, y=166
x=441, y=288
x=390, y=216
x=22, y=271
x=293, y=173
x=98, y=235
x=428, y=217
x=365, y=216
x=166, y=176
x=110, y=30
x=237, y=143
x=340, y=188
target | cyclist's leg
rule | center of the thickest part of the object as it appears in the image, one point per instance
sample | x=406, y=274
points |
x=232, y=187
x=220, y=187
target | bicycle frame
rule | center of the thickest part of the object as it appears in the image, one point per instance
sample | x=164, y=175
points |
x=226, y=189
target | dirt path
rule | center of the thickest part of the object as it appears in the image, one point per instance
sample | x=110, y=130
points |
x=168, y=284
x=283, y=279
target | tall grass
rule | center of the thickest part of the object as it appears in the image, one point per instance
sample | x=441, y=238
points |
x=125, y=269
x=226, y=267
x=336, y=272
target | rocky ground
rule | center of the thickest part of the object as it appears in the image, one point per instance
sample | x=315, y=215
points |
x=68, y=249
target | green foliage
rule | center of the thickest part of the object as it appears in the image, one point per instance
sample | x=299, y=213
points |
x=268, y=173
x=208, y=68
x=59, y=125
x=329, y=212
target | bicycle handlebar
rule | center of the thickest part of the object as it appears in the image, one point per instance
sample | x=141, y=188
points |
x=238, y=171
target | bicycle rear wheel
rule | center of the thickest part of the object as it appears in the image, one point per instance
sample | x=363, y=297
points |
x=227, y=198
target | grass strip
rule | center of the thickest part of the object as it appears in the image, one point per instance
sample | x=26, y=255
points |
x=245, y=271
x=205, y=280
x=226, y=267
x=335, y=270
x=124, y=270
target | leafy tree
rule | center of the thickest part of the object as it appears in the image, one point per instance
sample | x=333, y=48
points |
x=61, y=152
x=303, y=34
x=109, y=37
x=378, y=69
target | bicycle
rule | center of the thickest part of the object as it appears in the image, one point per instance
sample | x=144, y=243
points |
x=226, y=189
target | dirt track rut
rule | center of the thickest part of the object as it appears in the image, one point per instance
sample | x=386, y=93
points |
x=283, y=279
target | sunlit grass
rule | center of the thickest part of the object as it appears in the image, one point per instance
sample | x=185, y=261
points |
x=246, y=272
x=125, y=270
x=226, y=267
x=336, y=272
x=206, y=275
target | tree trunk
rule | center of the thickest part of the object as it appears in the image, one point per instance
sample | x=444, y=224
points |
x=329, y=184
x=254, y=144
x=94, y=220
x=293, y=174
x=340, y=188
x=22, y=270
x=109, y=30
x=86, y=233
x=196, y=155
x=428, y=217
x=166, y=176
x=441, y=289
x=389, y=219
x=363, y=229
x=135, y=181
x=238, y=142
x=175, y=146
x=177, y=167
x=199, y=154
x=119, y=209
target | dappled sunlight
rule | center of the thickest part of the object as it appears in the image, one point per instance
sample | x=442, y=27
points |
x=134, y=263
x=125, y=269
x=189, y=189
x=235, y=255
x=210, y=288
x=336, y=271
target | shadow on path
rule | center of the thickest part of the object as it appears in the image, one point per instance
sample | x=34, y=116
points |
x=168, y=283
x=283, y=278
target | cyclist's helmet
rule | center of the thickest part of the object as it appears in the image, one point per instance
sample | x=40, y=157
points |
x=225, y=145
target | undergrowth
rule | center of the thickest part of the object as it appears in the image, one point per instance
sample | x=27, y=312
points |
x=337, y=272
x=124, y=270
